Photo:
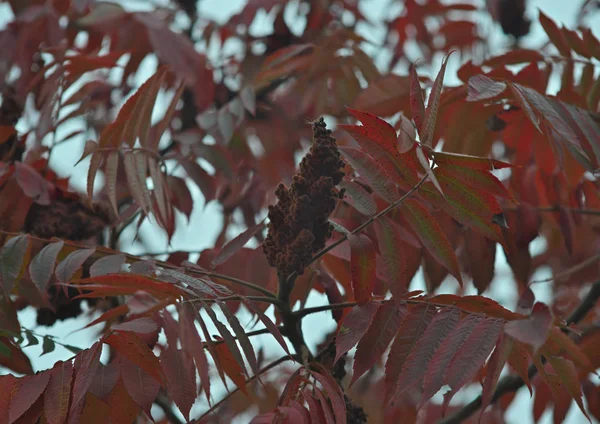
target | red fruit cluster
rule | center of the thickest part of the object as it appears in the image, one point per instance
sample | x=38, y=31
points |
x=299, y=225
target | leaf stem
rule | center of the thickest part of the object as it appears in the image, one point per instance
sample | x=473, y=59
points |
x=261, y=371
x=513, y=383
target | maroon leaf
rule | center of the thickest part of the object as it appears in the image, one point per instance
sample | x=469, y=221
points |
x=412, y=328
x=68, y=266
x=333, y=390
x=192, y=344
x=496, y=363
x=32, y=183
x=11, y=261
x=180, y=372
x=27, y=390
x=268, y=325
x=417, y=104
x=482, y=87
x=377, y=338
x=436, y=370
x=236, y=244
x=416, y=363
x=141, y=325
x=533, y=330
x=472, y=355
x=107, y=265
x=353, y=327
x=42, y=265
x=86, y=364
x=58, y=393
x=362, y=267
x=141, y=387
x=433, y=104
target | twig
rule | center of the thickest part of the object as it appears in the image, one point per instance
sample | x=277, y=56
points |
x=226, y=397
x=514, y=382
x=568, y=272
x=165, y=404
x=365, y=224
x=333, y=306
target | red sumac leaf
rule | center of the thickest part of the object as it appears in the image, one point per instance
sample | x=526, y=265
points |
x=362, y=267
x=433, y=105
x=140, y=325
x=11, y=261
x=417, y=104
x=472, y=355
x=131, y=347
x=236, y=244
x=496, y=363
x=86, y=364
x=416, y=363
x=107, y=265
x=192, y=344
x=69, y=266
x=533, y=330
x=431, y=235
x=377, y=338
x=42, y=265
x=555, y=35
x=32, y=183
x=353, y=327
x=436, y=370
x=58, y=393
x=25, y=393
x=180, y=372
x=482, y=87
x=411, y=329
x=333, y=390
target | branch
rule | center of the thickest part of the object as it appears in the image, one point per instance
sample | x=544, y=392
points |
x=165, y=404
x=261, y=371
x=333, y=306
x=514, y=382
x=365, y=224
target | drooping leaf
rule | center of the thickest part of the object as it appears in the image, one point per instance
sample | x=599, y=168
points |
x=180, y=373
x=333, y=390
x=400, y=260
x=230, y=366
x=131, y=347
x=11, y=261
x=42, y=265
x=412, y=328
x=566, y=371
x=242, y=338
x=496, y=363
x=139, y=325
x=58, y=393
x=533, y=330
x=431, y=235
x=353, y=327
x=25, y=393
x=73, y=262
x=378, y=337
x=472, y=355
x=110, y=264
x=362, y=267
x=372, y=172
x=236, y=244
x=86, y=364
x=48, y=345
x=434, y=377
x=420, y=355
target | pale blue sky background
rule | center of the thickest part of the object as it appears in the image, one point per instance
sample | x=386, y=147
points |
x=205, y=224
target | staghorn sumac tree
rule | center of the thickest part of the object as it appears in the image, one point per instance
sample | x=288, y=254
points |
x=400, y=172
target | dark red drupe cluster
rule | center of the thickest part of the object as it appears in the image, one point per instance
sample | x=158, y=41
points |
x=299, y=225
